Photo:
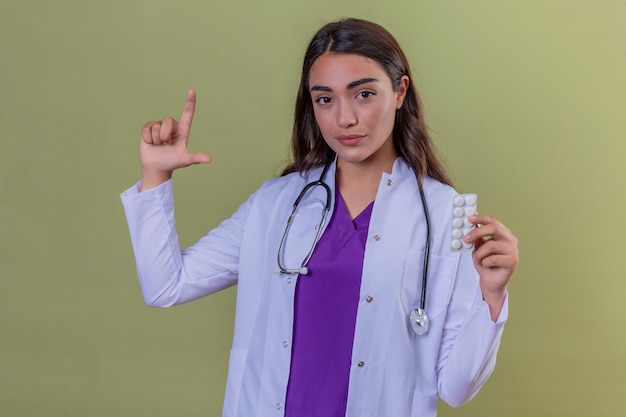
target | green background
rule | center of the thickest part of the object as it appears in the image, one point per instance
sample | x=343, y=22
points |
x=525, y=99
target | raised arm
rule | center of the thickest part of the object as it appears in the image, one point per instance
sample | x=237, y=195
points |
x=168, y=275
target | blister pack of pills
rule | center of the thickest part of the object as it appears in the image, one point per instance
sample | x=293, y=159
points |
x=463, y=206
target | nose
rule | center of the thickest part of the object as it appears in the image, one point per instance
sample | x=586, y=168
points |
x=346, y=116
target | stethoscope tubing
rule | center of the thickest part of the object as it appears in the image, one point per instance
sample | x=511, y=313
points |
x=426, y=247
x=418, y=319
x=303, y=269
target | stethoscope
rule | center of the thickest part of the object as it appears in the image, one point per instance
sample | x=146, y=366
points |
x=418, y=319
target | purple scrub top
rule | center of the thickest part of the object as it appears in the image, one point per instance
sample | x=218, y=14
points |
x=325, y=310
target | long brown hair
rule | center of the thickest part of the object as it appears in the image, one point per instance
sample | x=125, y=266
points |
x=410, y=135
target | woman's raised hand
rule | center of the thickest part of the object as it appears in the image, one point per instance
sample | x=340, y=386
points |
x=495, y=258
x=163, y=146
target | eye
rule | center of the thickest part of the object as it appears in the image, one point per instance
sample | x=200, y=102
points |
x=365, y=94
x=323, y=100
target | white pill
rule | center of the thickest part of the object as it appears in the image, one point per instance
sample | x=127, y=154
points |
x=459, y=200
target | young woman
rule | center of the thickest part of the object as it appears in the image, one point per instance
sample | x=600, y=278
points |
x=331, y=295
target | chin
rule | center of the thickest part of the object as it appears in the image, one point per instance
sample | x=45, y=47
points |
x=351, y=158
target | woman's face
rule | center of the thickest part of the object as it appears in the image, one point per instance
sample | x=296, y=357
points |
x=355, y=105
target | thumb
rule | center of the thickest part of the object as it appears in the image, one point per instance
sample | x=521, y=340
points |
x=197, y=158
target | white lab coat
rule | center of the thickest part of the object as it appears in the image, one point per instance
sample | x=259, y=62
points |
x=400, y=374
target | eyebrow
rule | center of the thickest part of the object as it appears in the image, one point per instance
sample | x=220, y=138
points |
x=349, y=86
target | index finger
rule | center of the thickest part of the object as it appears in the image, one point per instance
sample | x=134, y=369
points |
x=184, y=126
x=482, y=219
x=489, y=226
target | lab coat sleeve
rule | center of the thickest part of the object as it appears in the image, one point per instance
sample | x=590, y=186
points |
x=470, y=339
x=167, y=275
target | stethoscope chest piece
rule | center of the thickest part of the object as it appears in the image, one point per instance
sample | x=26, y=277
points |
x=419, y=321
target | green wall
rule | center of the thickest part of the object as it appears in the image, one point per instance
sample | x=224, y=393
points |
x=526, y=100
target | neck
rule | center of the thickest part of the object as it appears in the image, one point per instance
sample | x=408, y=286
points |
x=366, y=171
x=358, y=183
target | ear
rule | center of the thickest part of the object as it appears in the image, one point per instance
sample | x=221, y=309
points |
x=402, y=89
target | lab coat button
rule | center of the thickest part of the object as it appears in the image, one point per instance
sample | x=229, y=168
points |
x=278, y=406
x=389, y=183
x=285, y=344
x=289, y=280
x=376, y=238
x=361, y=364
x=369, y=299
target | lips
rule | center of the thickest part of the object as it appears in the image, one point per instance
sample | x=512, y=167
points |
x=349, y=140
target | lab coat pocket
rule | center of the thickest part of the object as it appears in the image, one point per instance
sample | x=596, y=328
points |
x=236, y=365
x=439, y=283
x=424, y=405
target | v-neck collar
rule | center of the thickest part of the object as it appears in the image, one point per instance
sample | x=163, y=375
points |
x=361, y=221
